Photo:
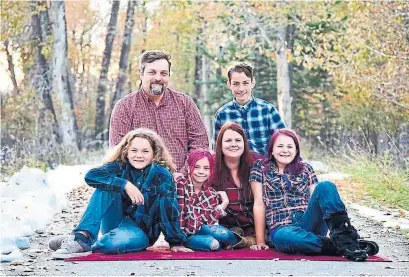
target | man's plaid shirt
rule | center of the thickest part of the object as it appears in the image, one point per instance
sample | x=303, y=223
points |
x=197, y=209
x=258, y=118
x=176, y=119
x=283, y=194
x=160, y=211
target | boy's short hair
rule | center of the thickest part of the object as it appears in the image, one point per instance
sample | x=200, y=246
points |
x=239, y=68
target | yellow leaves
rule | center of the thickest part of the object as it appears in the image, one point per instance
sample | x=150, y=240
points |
x=14, y=16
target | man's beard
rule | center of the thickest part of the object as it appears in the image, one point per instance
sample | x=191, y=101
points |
x=157, y=89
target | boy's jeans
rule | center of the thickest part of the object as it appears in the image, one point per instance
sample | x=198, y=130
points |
x=204, y=239
x=302, y=235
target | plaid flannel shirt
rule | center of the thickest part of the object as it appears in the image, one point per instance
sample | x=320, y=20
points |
x=197, y=209
x=239, y=212
x=283, y=194
x=176, y=119
x=160, y=211
x=258, y=118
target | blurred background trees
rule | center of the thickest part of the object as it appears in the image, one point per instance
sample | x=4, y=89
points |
x=337, y=71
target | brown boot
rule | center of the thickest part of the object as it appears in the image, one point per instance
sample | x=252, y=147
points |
x=245, y=242
x=237, y=230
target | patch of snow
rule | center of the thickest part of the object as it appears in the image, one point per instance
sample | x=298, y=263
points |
x=16, y=255
x=389, y=219
x=29, y=201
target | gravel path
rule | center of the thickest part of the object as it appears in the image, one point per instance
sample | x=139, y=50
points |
x=38, y=258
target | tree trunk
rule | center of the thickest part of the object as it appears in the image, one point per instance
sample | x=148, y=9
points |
x=11, y=68
x=106, y=60
x=203, y=100
x=198, y=66
x=125, y=50
x=219, y=76
x=46, y=33
x=43, y=82
x=283, y=78
x=68, y=123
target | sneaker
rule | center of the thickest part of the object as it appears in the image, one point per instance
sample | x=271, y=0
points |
x=55, y=242
x=73, y=246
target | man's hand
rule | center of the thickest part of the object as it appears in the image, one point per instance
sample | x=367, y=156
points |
x=134, y=193
x=180, y=248
x=259, y=246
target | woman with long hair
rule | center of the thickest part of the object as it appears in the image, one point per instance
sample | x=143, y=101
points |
x=233, y=163
x=134, y=200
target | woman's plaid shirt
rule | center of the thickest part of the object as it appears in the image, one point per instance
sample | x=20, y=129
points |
x=197, y=209
x=283, y=194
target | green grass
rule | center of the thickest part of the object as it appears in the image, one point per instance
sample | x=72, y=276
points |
x=382, y=179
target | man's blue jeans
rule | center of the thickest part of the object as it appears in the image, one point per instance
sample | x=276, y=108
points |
x=210, y=238
x=302, y=235
x=120, y=234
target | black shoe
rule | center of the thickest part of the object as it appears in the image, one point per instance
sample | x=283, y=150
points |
x=371, y=247
x=328, y=247
x=345, y=237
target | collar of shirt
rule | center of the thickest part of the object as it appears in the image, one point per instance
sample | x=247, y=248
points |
x=245, y=106
x=191, y=188
x=134, y=173
x=163, y=101
x=283, y=176
x=274, y=168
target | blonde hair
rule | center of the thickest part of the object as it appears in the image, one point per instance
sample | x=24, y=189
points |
x=161, y=154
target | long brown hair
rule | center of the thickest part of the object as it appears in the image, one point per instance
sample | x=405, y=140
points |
x=222, y=172
x=161, y=154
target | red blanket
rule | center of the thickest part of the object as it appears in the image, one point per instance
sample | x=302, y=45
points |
x=243, y=254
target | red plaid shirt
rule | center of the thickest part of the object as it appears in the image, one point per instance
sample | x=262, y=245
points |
x=197, y=209
x=176, y=119
x=240, y=209
x=239, y=212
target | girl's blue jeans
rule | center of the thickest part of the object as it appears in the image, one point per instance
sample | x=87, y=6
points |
x=211, y=238
x=120, y=234
x=302, y=235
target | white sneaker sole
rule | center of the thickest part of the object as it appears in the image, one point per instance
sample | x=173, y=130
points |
x=55, y=242
x=61, y=256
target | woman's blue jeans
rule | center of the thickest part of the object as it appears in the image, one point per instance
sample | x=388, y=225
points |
x=211, y=238
x=302, y=235
x=120, y=234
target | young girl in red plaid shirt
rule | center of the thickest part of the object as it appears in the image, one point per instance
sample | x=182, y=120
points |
x=201, y=206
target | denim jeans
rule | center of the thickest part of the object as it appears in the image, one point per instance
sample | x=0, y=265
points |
x=120, y=234
x=210, y=236
x=302, y=235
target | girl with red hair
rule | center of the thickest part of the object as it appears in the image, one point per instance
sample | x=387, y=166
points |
x=201, y=206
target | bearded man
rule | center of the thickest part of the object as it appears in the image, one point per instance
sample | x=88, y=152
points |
x=170, y=113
